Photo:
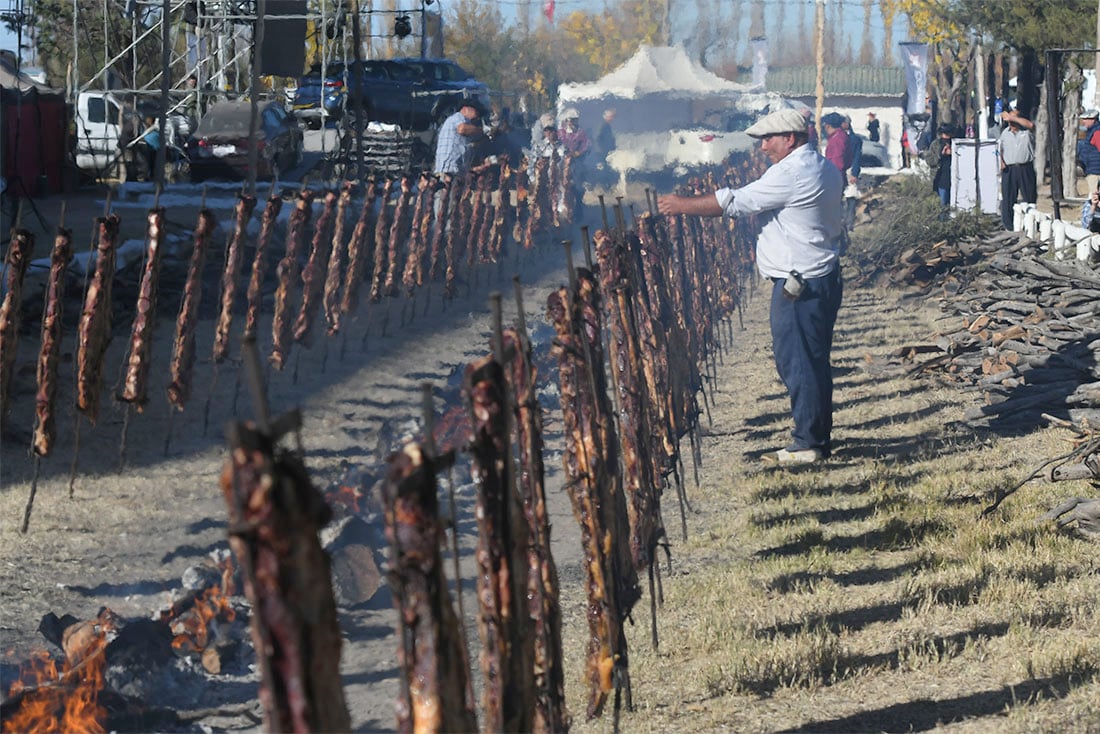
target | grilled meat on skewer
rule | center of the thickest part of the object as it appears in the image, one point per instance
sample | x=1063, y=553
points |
x=255, y=295
x=431, y=658
x=135, y=385
x=334, y=278
x=19, y=256
x=95, y=320
x=313, y=275
x=49, y=353
x=183, y=354
x=234, y=256
x=288, y=271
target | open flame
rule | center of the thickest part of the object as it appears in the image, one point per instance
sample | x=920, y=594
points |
x=65, y=700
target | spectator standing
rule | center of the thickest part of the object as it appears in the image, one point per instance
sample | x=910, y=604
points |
x=605, y=136
x=799, y=196
x=904, y=148
x=837, y=151
x=1088, y=148
x=455, y=135
x=538, y=132
x=574, y=141
x=1017, y=149
x=940, y=155
x=811, y=127
x=851, y=188
x=151, y=144
x=872, y=127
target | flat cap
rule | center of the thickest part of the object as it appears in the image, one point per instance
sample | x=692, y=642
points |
x=1090, y=114
x=783, y=121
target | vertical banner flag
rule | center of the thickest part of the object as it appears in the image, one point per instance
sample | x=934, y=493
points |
x=916, y=70
x=548, y=10
x=759, y=61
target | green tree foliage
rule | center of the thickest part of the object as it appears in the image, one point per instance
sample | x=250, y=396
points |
x=96, y=31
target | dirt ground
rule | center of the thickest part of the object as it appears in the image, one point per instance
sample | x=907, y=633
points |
x=125, y=538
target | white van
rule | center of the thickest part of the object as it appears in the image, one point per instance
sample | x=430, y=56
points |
x=100, y=120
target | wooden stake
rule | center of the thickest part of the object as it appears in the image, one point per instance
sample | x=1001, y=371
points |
x=30, y=499
x=209, y=397
x=168, y=433
x=122, y=440
x=76, y=454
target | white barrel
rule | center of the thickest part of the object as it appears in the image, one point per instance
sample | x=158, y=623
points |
x=1046, y=224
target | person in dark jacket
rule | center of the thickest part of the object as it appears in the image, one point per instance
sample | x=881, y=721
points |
x=1088, y=148
x=940, y=154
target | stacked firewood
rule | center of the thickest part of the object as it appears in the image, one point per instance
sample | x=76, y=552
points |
x=1024, y=335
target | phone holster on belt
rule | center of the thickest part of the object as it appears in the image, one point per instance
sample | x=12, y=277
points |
x=793, y=286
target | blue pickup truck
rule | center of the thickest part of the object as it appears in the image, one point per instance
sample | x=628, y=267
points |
x=413, y=93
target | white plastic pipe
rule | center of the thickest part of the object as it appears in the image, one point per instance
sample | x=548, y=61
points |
x=1031, y=228
x=1046, y=224
x=1058, y=232
x=1088, y=248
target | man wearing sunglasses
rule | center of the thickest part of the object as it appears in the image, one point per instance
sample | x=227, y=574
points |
x=798, y=200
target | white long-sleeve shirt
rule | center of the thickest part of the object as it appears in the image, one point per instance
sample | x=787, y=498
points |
x=801, y=212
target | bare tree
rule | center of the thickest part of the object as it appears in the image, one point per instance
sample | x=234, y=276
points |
x=867, y=46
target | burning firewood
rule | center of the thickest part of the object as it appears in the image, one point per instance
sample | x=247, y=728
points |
x=431, y=657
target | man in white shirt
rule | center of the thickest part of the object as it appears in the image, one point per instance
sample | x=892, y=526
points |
x=798, y=200
x=1017, y=150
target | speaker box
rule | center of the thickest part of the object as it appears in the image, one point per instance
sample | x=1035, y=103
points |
x=283, y=51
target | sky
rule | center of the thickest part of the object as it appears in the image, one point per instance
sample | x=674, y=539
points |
x=685, y=20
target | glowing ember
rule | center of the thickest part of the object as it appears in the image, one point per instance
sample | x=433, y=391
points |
x=193, y=627
x=348, y=497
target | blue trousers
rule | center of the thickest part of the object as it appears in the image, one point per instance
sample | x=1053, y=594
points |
x=802, y=338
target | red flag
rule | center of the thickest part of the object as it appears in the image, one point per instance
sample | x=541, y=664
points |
x=548, y=10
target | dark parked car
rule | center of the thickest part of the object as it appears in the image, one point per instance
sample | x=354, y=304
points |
x=449, y=81
x=304, y=101
x=221, y=144
x=413, y=93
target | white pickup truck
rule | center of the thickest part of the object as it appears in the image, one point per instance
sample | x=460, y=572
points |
x=101, y=118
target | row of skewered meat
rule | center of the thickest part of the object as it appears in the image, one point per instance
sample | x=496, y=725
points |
x=656, y=298
x=407, y=233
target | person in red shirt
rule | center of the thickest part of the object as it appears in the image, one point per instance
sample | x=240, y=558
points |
x=837, y=149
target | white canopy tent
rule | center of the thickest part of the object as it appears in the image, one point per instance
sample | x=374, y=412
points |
x=658, y=88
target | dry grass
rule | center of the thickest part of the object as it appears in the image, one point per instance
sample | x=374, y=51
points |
x=868, y=594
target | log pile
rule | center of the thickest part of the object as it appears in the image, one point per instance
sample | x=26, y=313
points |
x=1024, y=336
